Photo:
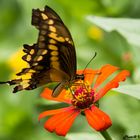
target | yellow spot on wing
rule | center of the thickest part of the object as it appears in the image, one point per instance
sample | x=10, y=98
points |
x=35, y=64
x=25, y=85
x=51, y=41
x=52, y=28
x=54, y=58
x=55, y=64
x=54, y=53
x=53, y=47
x=42, y=52
x=61, y=39
x=50, y=22
x=70, y=42
x=32, y=51
x=28, y=58
x=31, y=71
x=67, y=39
x=26, y=76
x=54, y=36
x=39, y=58
x=44, y=16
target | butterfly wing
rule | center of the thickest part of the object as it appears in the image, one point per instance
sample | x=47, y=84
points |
x=52, y=58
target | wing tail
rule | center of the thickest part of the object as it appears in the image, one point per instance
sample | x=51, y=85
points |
x=12, y=82
x=20, y=84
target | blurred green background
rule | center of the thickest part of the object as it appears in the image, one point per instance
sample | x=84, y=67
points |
x=19, y=112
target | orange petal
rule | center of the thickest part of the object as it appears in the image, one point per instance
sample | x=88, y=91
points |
x=104, y=73
x=114, y=83
x=57, y=119
x=97, y=119
x=93, y=120
x=47, y=94
x=52, y=112
x=103, y=116
x=89, y=74
x=50, y=124
x=65, y=125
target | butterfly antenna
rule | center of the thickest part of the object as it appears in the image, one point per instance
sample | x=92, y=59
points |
x=89, y=61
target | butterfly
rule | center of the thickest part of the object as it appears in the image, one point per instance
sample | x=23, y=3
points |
x=52, y=58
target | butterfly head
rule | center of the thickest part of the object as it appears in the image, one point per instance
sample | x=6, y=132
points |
x=79, y=77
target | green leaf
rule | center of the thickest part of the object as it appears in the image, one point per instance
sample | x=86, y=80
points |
x=84, y=136
x=132, y=90
x=129, y=28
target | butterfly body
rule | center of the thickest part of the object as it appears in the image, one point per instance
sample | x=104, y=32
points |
x=52, y=58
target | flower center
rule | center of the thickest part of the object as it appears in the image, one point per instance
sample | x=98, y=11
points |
x=83, y=97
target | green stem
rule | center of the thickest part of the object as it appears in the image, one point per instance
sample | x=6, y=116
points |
x=106, y=135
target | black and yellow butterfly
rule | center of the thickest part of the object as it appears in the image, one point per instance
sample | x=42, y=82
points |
x=52, y=58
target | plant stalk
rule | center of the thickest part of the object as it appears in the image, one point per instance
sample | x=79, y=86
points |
x=106, y=135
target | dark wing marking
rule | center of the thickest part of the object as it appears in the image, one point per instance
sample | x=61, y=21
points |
x=52, y=58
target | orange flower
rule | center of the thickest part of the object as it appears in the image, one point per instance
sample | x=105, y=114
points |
x=82, y=99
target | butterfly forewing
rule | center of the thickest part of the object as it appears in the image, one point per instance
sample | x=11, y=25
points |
x=52, y=58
